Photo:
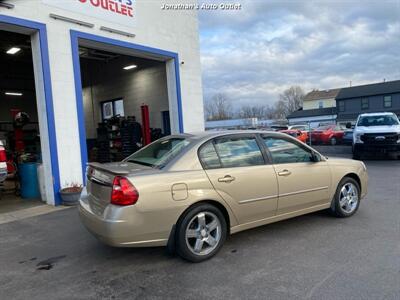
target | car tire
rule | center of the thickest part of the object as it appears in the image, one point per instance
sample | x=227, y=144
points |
x=347, y=198
x=333, y=141
x=200, y=233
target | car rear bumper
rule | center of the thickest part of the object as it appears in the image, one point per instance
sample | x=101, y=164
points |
x=116, y=229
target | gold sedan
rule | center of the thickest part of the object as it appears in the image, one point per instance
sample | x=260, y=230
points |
x=190, y=191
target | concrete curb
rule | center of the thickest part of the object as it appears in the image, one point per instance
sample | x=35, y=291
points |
x=29, y=212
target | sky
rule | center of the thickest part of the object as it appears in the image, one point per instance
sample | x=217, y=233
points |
x=254, y=54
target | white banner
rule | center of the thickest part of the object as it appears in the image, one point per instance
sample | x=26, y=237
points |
x=115, y=11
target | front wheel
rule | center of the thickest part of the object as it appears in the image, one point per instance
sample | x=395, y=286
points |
x=201, y=233
x=347, y=198
x=333, y=141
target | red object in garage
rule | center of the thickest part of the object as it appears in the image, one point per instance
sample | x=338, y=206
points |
x=146, y=124
x=18, y=133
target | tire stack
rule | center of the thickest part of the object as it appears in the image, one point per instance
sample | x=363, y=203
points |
x=103, y=145
x=130, y=136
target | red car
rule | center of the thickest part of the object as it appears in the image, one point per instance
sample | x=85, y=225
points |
x=329, y=134
x=298, y=134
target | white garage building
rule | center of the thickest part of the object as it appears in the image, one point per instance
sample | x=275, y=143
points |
x=91, y=60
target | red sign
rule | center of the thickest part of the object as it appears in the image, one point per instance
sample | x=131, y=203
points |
x=122, y=7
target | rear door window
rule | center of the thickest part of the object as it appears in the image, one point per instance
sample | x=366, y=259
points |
x=238, y=151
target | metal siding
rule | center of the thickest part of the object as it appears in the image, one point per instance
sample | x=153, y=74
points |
x=353, y=106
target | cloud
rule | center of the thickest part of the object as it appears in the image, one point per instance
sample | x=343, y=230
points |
x=252, y=55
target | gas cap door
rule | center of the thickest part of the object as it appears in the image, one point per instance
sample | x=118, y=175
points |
x=179, y=191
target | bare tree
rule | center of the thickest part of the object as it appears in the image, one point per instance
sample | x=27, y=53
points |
x=208, y=110
x=280, y=110
x=270, y=112
x=253, y=111
x=290, y=100
x=218, y=108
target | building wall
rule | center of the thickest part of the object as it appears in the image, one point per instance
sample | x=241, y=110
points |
x=313, y=104
x=103, y=82
x=353, y=106
x=314, y=121
x=175, y=31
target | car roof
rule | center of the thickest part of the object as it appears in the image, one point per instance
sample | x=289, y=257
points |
x=211, y=133
x=377, y=114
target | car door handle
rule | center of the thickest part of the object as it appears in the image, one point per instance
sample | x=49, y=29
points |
x=226, y=178
x=284, y=173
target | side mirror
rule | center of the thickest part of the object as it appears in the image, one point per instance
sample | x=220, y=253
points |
x=348, y=125
x=315, y=157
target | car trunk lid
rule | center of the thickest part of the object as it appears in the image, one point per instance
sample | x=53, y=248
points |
x=100, y=179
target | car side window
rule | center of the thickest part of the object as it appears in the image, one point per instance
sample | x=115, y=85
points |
x=284, y=151
x=209, y=157
x=239, y=151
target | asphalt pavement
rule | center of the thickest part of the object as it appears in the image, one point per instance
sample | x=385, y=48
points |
x=315, y=256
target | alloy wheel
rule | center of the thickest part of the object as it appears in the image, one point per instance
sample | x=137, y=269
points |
x=348, y=198
x=203, y=233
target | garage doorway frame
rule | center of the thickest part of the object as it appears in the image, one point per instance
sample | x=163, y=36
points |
x=76, y=36
x=40, y=28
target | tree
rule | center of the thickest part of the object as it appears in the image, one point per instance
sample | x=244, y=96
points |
x=218, y=108
x=290, y=100
x=253, y=111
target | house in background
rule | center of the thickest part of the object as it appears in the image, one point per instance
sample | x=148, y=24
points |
x=319, y=107
x=320, y=99
x=376, y=97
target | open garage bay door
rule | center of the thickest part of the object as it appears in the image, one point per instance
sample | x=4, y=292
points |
x=128, y=99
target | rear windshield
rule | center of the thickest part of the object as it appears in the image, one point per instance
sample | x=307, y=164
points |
x=159, y=153
x=384, y=120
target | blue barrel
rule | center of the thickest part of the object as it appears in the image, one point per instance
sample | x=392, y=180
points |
x=29, y=181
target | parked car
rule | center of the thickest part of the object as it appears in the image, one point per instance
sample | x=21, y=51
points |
x=3, y=163
x=190, y=191
x=376, y=133
x=301, y=127
x=348, y=137
x=328, y=134
x=298, y=134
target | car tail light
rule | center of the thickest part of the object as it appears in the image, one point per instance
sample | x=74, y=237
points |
x=3, y=156
x=123, y=192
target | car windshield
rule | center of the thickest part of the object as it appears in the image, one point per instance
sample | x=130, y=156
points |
x=159, y=153
x=383, y=120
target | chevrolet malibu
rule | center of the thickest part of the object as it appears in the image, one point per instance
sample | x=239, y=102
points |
x=190, y=191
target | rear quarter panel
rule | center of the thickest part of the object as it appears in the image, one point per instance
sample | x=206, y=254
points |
x=157, y=206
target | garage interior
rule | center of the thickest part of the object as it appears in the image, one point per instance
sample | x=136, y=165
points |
x=125, y=101
x=20, y=148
